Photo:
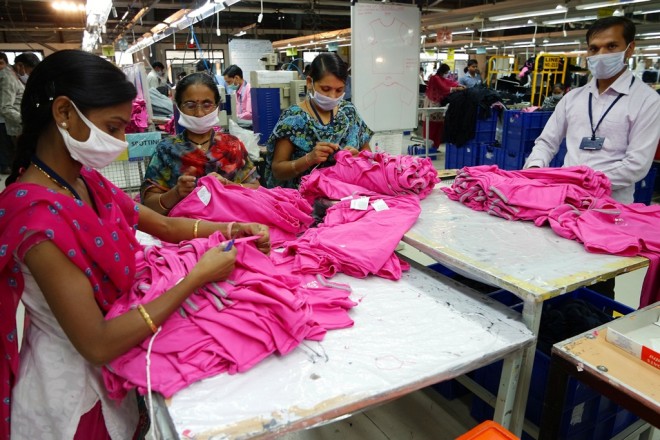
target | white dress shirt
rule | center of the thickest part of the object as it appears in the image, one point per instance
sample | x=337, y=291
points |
x=631, y=130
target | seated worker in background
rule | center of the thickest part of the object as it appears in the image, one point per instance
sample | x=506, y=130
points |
x=550, y=102
x=236, y=84
x=161, y=102
x=199, y=150
x=437, y=88
x=69, y=237
x=471, y=77
x=307, y=135
x=611, y=124
x=156, y=77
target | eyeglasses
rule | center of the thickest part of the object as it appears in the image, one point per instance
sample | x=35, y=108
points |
x=191, y=106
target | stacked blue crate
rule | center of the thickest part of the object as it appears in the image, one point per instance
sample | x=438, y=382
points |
x=492, y=154
x=265, y=111
x=558, y=160
x=644, y=188
x=600, y=417
x=469, y=154
x=519, y=131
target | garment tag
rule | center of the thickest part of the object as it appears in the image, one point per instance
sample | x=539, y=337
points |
x=204, y=195
x=380, y=205
x=360, y=204
x=347, y=198
x=592, y=144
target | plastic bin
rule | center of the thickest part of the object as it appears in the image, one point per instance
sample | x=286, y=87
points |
x=645, y=187
x=488, y=430
x=418, y=150
x=558, y=160
x=587, y=415
x=491, y=154
x=519, y=131
x=467, y=155
x=485, y=129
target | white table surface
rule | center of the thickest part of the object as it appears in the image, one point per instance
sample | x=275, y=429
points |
x=407, y=335
x=529, y=261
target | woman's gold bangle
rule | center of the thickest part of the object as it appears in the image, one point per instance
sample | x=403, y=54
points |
x=293, y=166
x=195, y=227
x=160, y=203
x=147, y=318
x=307, y=160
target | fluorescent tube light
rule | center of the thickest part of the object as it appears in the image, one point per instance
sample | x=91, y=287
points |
x=558, y=10
x=653, y=11
x=500, y=28
x=519, y=47
x=471, y=31
x=570, y=20
x=608, y=4
x=566, y=43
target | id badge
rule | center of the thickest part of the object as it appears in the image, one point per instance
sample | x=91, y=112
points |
x=592, y=144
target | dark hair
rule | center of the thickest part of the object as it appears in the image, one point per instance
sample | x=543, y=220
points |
x=88, y=80
x=608, y=22
x=203, y=65
x=157, y=64
x=444, y=68
x=180, y=75
x=472, y=63
x=192, y=79
x=307, y=69
x=164, y=90
x=559, y=86
x=28, y=59
x=232, y=71
x=3, y=56
x=328, y=63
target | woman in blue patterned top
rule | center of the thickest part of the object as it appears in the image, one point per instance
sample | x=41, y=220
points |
x=307, y=135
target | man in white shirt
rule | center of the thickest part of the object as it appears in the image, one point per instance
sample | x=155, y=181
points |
x=156, y=77
x=613, y=123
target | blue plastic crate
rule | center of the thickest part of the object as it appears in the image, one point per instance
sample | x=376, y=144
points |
x=467, y=155
x=485, y=129
x=492, y=154
x=265, y=111
x=644, y=188
x=519, y=131
x=418, y=150
x=582, y=399
x=558, y=160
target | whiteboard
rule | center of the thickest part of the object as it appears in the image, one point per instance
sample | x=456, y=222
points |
x=247, y=54
x=385, y=49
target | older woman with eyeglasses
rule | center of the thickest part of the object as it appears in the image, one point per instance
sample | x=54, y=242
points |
x=199, y=150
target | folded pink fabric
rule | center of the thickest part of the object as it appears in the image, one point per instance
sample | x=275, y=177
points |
x=283, y=210
x=576, y=202
x=224, y=327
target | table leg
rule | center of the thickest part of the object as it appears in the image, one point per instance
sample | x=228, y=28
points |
x=426, y=137
x=507, y=391
x=532, y=318
x=553, y=403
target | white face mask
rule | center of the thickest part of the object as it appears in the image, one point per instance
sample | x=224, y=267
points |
x=99, y=150
x=324, y=102
x=24, y=78
x=557, y=96
x=606, y=65
x=198, y=125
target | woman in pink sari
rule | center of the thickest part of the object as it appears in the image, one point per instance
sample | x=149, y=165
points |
x=67, y=244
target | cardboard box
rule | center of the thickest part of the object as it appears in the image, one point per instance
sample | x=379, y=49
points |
x=638, y=335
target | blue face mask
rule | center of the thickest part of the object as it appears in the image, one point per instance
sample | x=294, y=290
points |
x=231, y=88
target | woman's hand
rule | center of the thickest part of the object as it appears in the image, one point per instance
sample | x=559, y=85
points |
x=321, y=152
x=221, y=179
x=186, y=183
x=215, y=265
x=354, y=151
x=249, y=229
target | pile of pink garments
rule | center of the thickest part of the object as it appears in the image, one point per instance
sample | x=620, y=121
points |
x=576, y=203
x=223, y=327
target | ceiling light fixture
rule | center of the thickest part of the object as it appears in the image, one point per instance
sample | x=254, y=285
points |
x=558, y=10
x=608, y=4
x=570, y=20
x=566, y=43
x=653, y=11
x=500, y=28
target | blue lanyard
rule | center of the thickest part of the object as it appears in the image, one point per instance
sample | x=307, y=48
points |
x=591, y=119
